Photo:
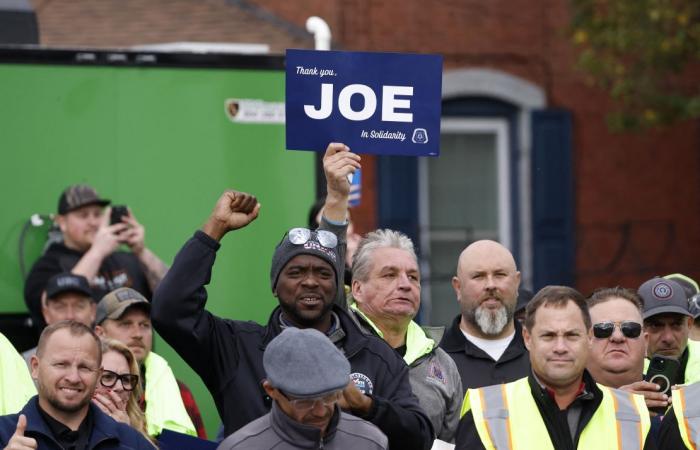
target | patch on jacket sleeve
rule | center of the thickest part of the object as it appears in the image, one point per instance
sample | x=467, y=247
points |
x=435, y=372
x=362, y=382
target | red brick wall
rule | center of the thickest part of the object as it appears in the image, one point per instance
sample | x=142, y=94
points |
x=637, y=195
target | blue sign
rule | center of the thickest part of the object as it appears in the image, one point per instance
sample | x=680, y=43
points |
x=381, y=103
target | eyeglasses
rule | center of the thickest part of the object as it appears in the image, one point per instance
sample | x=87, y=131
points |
x=109, y=379
x=300, y=236
x=629, y=329
x=307, y=404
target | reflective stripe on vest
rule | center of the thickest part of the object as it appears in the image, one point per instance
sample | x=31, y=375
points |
x=629, y=426
x=619, y=413
x=688, y=413
x=495, y=410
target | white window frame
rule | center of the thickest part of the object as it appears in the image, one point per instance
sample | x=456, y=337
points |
x=464, y=125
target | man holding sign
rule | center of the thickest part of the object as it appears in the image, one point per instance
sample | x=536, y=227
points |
x=306, y=274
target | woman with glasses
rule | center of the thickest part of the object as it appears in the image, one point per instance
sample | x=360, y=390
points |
x=118, y=390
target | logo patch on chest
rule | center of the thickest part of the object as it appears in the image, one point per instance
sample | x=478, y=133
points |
x=362, y=382
x=435, y=372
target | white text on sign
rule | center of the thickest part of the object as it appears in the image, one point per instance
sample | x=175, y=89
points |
x=390, y=103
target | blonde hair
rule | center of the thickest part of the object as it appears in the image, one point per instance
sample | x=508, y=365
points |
x=137, y=418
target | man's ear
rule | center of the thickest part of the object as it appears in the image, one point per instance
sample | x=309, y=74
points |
x=271, y=391
x=457, y=286
x=60, y=220
x=357, y=290
x=526, y=338
x=34, y=366
x=100, y=331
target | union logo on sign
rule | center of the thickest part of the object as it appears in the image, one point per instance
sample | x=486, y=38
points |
x=420, y=136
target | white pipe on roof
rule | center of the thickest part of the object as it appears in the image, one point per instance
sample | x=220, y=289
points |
x=321, y=31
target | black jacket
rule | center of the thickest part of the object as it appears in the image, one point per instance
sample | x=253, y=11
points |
x=117, y=270
x=106, y=434
x=555, y=419
x=476, y=368
x=227, y=354
x=670, y=433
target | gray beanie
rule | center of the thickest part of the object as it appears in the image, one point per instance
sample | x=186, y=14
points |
x=304, y=363
x=286, y=250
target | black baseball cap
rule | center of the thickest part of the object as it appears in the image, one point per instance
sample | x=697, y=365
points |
x=67, y=282
x=77, y=196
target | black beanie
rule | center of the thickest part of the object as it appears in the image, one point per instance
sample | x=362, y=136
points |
x=286, y=250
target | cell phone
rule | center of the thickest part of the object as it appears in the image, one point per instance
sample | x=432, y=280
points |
x=118, y=211
x=662, y=371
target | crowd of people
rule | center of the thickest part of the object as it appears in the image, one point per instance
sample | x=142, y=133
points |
x=341, y=363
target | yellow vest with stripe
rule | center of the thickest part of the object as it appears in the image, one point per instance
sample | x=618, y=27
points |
x=16, y=385
x=692, y=368
x=164, y=406
x=507, y=418
x=686, y=407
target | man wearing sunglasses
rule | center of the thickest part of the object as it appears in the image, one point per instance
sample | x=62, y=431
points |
x=559, y=405
x=306, y=278
x=618, y=347
x=306, y=375
x=667, y=324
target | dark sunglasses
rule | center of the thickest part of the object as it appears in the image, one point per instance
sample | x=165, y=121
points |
x=300, y=236
x=629, y=329
x=109, y=379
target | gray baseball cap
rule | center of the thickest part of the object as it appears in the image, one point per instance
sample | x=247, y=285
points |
x=304, y=363
x=113, y=305
x=663, y=296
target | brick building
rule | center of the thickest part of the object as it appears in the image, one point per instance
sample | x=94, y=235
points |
x=526, y=156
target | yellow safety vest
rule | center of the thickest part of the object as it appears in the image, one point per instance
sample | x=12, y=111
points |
x=164, y=406
x=692, y=368
x=16, y=385
x=686, y=407
x=507, y=418
x=417, y=343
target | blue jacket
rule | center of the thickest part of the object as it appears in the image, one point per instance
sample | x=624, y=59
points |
x=227, y=354
x=106, y=433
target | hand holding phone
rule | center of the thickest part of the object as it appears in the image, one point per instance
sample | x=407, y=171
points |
x=662, y=371
x=118, y=211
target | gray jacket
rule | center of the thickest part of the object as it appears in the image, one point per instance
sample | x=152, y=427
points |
x=434, y=378
x=278, y=431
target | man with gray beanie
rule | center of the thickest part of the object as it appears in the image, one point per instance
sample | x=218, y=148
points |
x=306, y=375
x=305, y=275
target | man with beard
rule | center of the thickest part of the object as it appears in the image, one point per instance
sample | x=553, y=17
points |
x=485, y=341
x=305, y=276
x=66, y=368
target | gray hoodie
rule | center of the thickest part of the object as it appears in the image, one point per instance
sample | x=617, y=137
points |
x=279, y=431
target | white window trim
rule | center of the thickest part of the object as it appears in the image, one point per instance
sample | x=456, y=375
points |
x=464, y=125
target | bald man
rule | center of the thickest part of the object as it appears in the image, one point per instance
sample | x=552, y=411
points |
x=484, y=340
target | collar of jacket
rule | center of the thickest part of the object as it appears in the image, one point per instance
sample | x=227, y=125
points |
x=298, y=434
x=454, y=342
x=103, y=427
x=353, y=342
x=417, y=343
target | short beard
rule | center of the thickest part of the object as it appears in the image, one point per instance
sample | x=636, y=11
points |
x=292, y=315
x=491, y=323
